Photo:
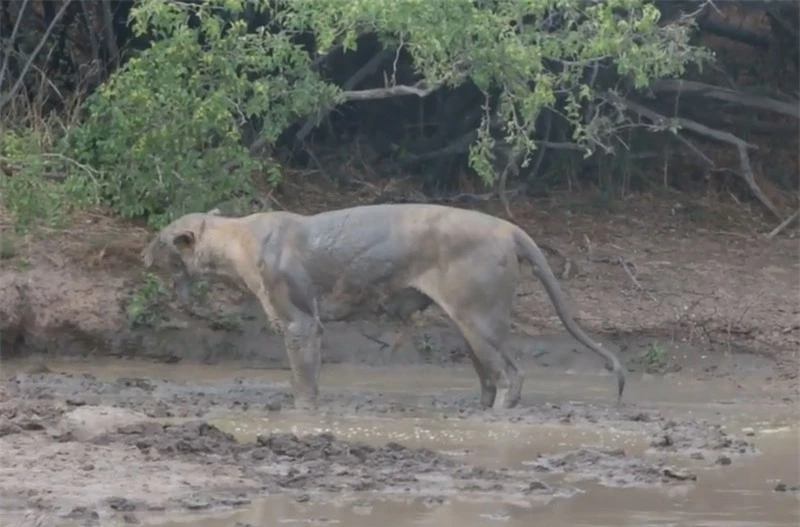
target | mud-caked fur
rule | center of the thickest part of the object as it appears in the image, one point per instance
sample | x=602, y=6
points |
x=396, y=258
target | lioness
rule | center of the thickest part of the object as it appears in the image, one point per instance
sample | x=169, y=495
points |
x=336, y=265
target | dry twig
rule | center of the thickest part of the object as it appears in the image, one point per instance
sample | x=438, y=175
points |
x=785, y=223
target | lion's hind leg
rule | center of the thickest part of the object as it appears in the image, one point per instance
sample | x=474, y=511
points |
x=488, y=386
x=477, y=296
x=501, y=379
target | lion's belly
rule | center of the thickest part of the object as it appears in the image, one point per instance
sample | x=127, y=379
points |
x=371, y=302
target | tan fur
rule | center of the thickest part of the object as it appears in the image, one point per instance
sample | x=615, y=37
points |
x=345, y=264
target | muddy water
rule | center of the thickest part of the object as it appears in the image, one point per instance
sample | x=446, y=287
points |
x=736, y=495
x=741, y=494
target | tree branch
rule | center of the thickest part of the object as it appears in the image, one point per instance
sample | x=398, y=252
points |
x=732, y=32
x=696, y=151
x=725, y=94
x=17, y=85
x=420, y=89
x=365, y=71
x=92, y=35
x=10, y=43
x=719, y=135
x=110, y=36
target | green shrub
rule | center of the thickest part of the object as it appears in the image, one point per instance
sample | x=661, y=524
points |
x=166, y=130
x=43, y=183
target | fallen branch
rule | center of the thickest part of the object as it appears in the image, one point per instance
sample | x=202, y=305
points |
x=662, y=122
x=726, y=94
x=785, y=223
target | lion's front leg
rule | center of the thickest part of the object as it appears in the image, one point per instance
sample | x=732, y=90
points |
x=273, y=320
x=254, y=281
x=303, y=340
x=291, y=294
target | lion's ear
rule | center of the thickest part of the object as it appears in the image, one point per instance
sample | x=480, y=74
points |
x=184, y=241
x=214, y=212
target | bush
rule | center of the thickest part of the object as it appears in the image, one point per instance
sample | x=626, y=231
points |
x=165, y=131
x=40, y=182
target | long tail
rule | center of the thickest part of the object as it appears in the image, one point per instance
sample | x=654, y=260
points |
x=527, y=248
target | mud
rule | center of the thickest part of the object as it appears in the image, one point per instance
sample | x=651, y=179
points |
x=90, y=462
x=611, y=467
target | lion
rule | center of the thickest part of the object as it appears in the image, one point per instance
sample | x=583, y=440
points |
x=306, y=270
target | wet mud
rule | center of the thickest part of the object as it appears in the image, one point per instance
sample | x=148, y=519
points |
x=124, y=442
